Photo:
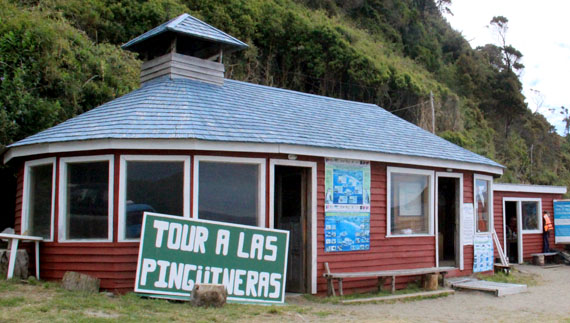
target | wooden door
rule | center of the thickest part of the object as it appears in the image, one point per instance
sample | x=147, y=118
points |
x=291, y=215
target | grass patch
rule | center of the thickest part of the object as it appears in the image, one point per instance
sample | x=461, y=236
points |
x=23, y=301
x=11, y=301
x=515, y=277
x=410, y=289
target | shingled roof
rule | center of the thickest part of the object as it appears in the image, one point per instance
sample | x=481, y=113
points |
x=190, y=26
x=243, y=112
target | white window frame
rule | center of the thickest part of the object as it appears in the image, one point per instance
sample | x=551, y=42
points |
x=24, y=227
x=520, y=237
x=123, y=186
x=458, y=176
x=313, y=218
x=261, y=162
x=431, y=185
x=63, y=195
x=491, y=202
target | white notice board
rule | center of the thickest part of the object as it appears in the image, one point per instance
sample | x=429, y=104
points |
x=468, y=224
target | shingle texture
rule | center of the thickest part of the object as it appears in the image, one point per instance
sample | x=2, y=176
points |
x=244, y=112
x=190, y=26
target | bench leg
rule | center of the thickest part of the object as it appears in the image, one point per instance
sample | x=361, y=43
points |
x=381, y=282
x=12, y=261
x=340, y=287
x=393, y=284
x=443, y=279
x=330, y=287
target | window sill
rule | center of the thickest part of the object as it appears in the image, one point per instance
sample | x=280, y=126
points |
x=531, y=232
x=419, y=235
x=84, y=240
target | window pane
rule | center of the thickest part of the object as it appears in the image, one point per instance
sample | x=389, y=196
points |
x=409, y=204
x=482, y=204
x=228, y=192
x=153, y=187
x=530, y=215
x=40, y=201
x=88, y=200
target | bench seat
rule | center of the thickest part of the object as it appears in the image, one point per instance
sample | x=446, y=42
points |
x=381, y=275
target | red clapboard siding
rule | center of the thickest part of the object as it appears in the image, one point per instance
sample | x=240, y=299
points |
x=384, y=254
x=532, y=242
x=19, y=194
x=115, y=263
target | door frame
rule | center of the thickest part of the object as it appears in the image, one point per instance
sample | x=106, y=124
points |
x=520, y=231
x=311, y=218
x=459, y=221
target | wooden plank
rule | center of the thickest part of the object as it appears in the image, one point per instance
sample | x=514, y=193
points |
x=504, y=259
x=397, y=297
x=500, y=289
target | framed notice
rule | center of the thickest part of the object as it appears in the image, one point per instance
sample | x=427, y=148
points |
x=483, y=252
x=562, y=221
x=410, y=196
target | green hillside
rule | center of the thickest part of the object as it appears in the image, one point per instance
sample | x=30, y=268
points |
x=59, y=58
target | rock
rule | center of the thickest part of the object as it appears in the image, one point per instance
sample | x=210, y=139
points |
x=108, y=294
x=75, y=281
x=206, y=295
x=21, y=266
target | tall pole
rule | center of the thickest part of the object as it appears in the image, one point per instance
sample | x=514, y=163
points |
x=432, y=112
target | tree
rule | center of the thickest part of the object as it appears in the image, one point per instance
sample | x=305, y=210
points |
x=511, y=56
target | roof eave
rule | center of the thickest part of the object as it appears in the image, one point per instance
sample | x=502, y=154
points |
x=279, y=148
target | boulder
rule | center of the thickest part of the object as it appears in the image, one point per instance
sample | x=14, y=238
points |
x=20, y=267
x=75, y=281
x=206, y=295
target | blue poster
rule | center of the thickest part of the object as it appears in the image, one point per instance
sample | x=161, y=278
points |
x=562, y=221
x=347, y=186
x=483, y=253
x=347, y=205
x=347, y=231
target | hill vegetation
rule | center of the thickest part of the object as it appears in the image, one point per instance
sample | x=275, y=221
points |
x=59, y=58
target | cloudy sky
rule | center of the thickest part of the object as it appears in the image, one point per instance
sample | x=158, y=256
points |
x=540, y=30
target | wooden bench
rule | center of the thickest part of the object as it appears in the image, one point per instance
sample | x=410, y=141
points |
x=540, y=258
x=381, y=275
x=504, y=268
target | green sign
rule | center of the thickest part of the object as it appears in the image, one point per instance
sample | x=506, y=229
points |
x=176, y=253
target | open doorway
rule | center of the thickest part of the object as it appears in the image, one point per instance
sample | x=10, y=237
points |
x=448, y=220
x=292, y=194
x=512, y=232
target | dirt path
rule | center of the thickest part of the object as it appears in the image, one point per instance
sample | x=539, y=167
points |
x=548, y=301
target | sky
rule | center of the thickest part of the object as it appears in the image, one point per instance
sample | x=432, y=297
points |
x=540, y=30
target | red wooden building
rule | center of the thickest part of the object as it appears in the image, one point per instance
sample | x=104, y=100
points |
x=518, y=208
x=191, y=143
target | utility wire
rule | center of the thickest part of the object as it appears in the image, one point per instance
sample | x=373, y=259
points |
x=408, y=107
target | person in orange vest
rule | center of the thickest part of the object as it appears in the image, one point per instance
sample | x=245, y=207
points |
x=547, y=228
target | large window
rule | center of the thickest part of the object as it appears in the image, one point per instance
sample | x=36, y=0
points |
x=410, y=202
x=151, y=184
x=37, y=202
x=230, y=189
x=483, y=191
x=86, y=195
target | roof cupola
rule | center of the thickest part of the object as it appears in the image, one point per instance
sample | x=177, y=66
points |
x=184, y=47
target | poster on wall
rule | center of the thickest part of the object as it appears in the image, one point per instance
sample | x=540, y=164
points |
x=347, y=231
x=483, y=253
x=562, y=221
x=347, y=205
x=468, y=224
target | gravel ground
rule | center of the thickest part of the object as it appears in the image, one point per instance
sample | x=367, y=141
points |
x=548, y=301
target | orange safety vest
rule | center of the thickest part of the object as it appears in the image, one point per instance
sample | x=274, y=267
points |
x=547, y=223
